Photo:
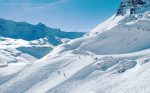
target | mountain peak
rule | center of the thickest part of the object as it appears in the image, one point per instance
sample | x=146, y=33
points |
x=133, y=6
x=41, y=25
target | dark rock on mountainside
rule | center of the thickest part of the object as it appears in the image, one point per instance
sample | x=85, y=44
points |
x=131, y=5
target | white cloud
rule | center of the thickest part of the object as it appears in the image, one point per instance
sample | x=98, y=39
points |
x=29, y=3
x=44, y=6
x=53, y=4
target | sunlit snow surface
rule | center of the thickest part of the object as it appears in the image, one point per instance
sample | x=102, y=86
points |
x=16, y=54
x=78, y=73
x=113, y=58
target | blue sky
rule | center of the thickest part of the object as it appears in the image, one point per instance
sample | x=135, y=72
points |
x=68, y=15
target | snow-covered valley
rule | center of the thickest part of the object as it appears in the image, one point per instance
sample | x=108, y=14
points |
x=112, y=58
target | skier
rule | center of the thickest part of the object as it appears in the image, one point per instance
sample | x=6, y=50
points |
x=64, y=75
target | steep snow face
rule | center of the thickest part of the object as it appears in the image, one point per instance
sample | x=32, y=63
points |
x=120, y=39
x=120, y=34
x=130, y=11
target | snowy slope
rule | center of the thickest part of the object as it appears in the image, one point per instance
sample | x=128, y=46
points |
x=31, y=39
x=16, y=54
x=12, y=61
x=119, y=34
x=77, y=73
x=29, y=47
x=113, y=58
x=21, y=44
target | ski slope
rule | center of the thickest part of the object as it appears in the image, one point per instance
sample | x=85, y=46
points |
x=73, y=73
x=112, y=58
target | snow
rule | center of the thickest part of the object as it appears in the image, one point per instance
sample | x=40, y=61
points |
x=72, y=73
x=28, y=47
x=122, y=38
x=29, y=32
x=11, y=62
x=113, y=58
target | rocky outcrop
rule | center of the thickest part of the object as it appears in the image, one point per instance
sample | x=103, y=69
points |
x=130, y=5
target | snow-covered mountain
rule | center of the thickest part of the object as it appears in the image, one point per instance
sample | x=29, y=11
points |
x=26, y=31
x=34, y=40
x=21, y=44
x=112, y=58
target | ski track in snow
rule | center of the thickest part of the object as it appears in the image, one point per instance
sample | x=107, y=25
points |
x=80, y=72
